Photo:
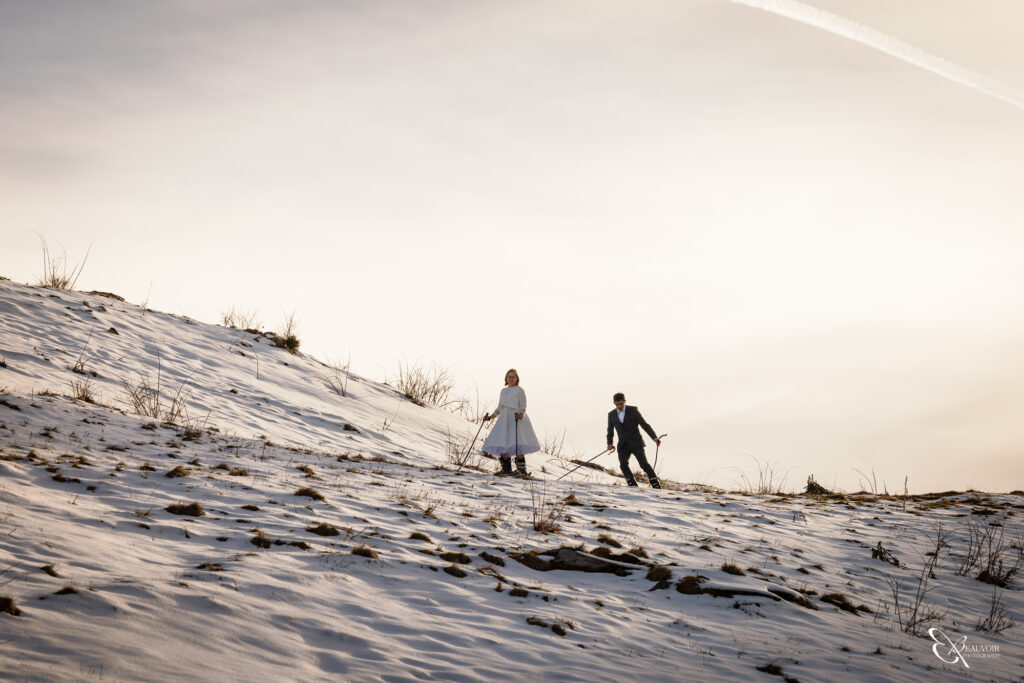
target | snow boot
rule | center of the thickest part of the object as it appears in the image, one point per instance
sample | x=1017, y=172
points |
x=521, y=466
x=506, y=465
x=655, y=484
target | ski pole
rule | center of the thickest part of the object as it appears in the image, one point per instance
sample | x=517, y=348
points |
x=658, y=448
x=584, y=463
x=473, y=443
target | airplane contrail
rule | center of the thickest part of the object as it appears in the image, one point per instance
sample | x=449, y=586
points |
x=882, y=42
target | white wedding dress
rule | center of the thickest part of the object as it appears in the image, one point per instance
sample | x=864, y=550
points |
x=502, y=439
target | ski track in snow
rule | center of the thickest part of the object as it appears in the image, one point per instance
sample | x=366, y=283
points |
x=84, y=492
x=847, y=28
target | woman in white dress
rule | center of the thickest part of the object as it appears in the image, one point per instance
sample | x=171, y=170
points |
x=512, y=434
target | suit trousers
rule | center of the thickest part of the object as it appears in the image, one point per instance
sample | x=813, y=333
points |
x=626, y=450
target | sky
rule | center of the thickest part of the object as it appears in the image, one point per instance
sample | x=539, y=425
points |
x=789, y=232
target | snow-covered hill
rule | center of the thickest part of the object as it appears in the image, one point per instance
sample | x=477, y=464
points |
x=281, y=531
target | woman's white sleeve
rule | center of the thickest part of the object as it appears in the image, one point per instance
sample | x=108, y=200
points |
x=522, y=401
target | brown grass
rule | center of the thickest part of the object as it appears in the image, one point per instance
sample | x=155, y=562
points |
x=309, y=493
x=187, y=509
x=7, y=606
x=493, y=559
x=456, y=558
x=659, y=573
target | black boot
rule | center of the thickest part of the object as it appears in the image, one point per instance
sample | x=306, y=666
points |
x=521, y=466
x=506, y=464
x=655, y=483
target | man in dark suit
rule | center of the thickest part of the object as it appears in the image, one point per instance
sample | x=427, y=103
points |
x=626, y=421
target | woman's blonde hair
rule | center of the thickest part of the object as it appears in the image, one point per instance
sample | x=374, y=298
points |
x=516, y=373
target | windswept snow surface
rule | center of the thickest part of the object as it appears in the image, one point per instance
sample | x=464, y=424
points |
x=110, y=585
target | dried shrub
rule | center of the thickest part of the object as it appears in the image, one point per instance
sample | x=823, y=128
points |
x=419, y=536
x=425, y=385
x=546, y=514
x=730, y=568
x=178, y=471
x=323, y=529
x=147, y=398
x=240, y=319
x=608, y=540
x=81, y=390
x=997, y=619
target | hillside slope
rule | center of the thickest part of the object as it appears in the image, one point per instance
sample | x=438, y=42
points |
x=269, y=542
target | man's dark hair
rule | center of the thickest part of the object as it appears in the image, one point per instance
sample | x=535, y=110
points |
x=619, y=397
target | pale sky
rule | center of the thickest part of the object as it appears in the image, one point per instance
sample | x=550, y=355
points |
x=780, y=240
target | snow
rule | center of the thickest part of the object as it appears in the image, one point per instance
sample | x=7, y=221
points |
x=163, y=596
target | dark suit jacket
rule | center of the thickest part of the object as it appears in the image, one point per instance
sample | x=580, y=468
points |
x=629, y=429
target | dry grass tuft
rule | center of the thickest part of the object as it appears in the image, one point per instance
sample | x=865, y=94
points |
x=211, y=566
x=730, y=568
x=56, y=273
x=177, y=472
x=455, y=558
x=7, y=606
x=307, y=492
x=364, y=550
x=323, y=529
x=841, y=601
x=425, y=386
x=659, y=573
x=454, y=570
x=189, y=509
x=419, y=536
x=493, y=559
